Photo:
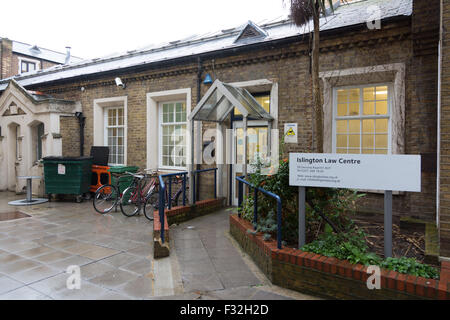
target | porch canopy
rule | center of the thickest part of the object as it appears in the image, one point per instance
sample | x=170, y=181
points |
x=215, y=106
x=220, y=100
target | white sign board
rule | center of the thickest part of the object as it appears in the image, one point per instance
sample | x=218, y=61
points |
x=290, y=133
x=61, y=169
x=355, y=171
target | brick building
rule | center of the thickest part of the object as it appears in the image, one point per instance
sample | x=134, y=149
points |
x=380, y=90
x=18, y=57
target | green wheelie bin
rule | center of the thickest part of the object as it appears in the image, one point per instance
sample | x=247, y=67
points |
x=67, y=175
x=124, y=181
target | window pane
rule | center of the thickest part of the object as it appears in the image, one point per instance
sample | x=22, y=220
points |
x=382, y=93
x=369, y=108
x=353, y=141
x=341, y=150
x=341, y=126
x=382, y=107
x=368, y=126
x=369, y=94
x=354, y=126
x=353, y=95
x=367, y=151
x=378, y=151
x=342, y=96
x=264, y=101
x=381, y=141
x=341, y=141
x=353, y=109
x=342, y=109
x=381, y=125
x=354, y=151
x=368, y=141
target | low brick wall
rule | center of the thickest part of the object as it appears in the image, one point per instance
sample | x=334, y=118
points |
x=329, y=277
x=184, y=213
x=178, y=215
x=160, y=249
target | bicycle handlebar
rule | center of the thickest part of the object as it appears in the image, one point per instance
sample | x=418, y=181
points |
x=135, y=175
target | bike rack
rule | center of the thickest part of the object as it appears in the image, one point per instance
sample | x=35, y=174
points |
x=162, y=195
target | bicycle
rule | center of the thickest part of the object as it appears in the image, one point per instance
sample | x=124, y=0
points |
x=152, y=201
x=137, y=194
x=108, y=196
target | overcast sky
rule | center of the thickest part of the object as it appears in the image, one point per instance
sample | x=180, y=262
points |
x=95, y=28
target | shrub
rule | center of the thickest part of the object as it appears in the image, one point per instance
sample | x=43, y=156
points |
x=352, y=247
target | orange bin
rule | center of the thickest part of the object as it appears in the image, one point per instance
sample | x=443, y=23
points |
x=100, y=176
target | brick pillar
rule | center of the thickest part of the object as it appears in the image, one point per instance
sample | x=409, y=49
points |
x=444, y=183
x=6, y=69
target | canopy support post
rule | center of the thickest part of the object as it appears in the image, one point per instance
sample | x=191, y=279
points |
x=191, y=166
x=244, y=171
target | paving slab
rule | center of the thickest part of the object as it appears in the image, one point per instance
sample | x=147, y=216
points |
x=24, y=293
x=140, y=288
x=114, y=278
x=35, y=274
x=7, y=284
x=141, y=267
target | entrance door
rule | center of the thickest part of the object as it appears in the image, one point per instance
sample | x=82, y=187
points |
x=257, y=148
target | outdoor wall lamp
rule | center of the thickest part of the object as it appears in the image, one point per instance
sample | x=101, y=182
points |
x=208, y=79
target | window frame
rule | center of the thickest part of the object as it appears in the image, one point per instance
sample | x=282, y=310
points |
x=37, y=64
x=160, y=133
x=38, y=152
x=361, y=116
x=106, y=126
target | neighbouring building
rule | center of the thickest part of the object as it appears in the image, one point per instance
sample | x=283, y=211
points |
x=18, y=58
x=380, y=90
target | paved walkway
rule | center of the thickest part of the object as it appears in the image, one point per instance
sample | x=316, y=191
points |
x=115, y=257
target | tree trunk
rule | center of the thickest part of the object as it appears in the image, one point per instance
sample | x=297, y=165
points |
x=317, y=96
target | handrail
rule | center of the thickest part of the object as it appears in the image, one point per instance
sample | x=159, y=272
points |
x=162, y=195
x=194, y=175
x=255, y=204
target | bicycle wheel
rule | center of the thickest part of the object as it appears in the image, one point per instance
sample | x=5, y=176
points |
x=130, y=203
x=178, y=200
x=105, y=198
x=151, y=205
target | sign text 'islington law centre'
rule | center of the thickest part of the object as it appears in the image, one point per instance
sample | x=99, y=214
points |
x=355, y=171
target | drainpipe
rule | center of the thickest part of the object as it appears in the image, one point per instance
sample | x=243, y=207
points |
x=82, y=123
x=438, y=147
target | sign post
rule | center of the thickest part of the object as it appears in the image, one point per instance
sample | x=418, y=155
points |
x=368, y=172
x=387, y=224
x=301, y=216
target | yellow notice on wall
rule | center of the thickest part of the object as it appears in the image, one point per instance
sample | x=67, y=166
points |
x=290, y=133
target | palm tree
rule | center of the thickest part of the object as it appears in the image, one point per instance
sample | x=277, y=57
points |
x=302, y=11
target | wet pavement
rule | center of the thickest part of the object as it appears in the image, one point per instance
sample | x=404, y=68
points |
x=115, y=257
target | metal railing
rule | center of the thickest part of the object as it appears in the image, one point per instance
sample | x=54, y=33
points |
x=162, y=196
x=194, y=176
x=241, y=181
